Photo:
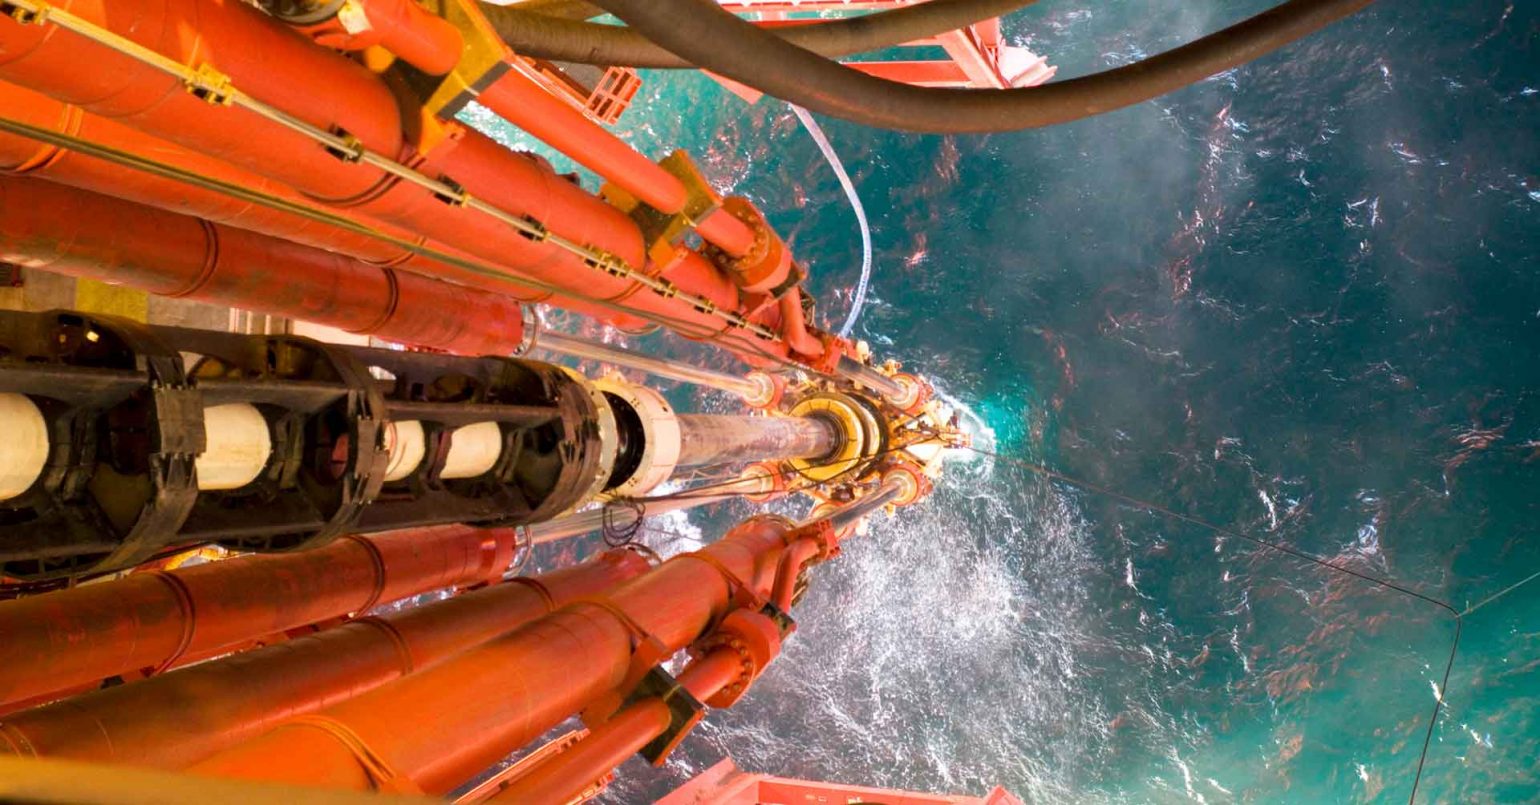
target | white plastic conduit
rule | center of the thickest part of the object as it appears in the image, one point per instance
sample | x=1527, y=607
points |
x=473, y=450
x=24, y=448
x=406, y=446
x=237, y=446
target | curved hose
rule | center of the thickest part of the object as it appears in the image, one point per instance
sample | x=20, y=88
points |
x=545, y=36
x=713, y=39
x=566, y=9
x=859, y=300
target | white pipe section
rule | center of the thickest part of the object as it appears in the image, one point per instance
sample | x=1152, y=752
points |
x=406, y=446
x=24, y=448
x=236, y=448
x=473, y=450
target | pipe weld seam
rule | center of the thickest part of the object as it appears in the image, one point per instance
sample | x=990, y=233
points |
x=377, y=561
x=185, y=603
x=403, y=649
x=639, y=635
x=210, y=261
x=392, y=301
x=382, y=776
x=540, y=590
x=16, y=741
x=47, y=156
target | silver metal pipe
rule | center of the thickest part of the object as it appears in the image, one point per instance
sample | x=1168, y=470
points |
x=857, y=372
x=852, y=512
x=753, y=482
x=707, y=439
x=576, y=347
x=619, y=517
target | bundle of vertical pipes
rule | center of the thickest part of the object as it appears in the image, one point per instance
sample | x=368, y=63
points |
x=302, y=158
x=202, y=670
x=115, y=75
x=121, y=450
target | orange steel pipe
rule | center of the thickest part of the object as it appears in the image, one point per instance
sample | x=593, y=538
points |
x=707, y=676
x=174, y=720
x=793, y=559
x=55, y=228
x=270, y=62
x=727, y=232
x=23, y=156
x=562, y=776
x=152, y=620
x=794, y=325
x=517, y=99
x=27, y=157
x=465, y=714
x=402, y=27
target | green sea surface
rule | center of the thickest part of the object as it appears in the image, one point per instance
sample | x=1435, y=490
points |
x=1300, y=300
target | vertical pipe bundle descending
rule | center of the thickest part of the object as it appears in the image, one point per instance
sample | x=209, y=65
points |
x=54, y=228
x=151, y=621
x=269, y=62
x=467, y=713
x=179, y=718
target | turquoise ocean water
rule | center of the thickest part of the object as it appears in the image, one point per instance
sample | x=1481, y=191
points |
x=1300, y=300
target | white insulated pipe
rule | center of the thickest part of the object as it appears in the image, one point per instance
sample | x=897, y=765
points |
x=406, y=446
x=473, y=450
x=236, y=448
x=24, y=448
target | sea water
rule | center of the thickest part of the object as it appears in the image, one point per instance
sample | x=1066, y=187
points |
x=1300, y=300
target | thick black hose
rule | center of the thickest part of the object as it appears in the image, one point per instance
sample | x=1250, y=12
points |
x=566, y=9
x=713, y=39
x=545, y=36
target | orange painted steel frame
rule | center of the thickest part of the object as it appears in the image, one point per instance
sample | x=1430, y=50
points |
x=181, y=717
x=726, y=784
x=270, y=62
x=81, y=234
x=467, y=713
x=155, y=620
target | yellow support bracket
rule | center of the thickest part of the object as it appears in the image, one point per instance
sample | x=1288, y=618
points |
x=662, y=232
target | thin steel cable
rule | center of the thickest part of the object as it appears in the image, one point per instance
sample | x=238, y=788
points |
x=1500, y=593
x=217, y=87
x=167, y=171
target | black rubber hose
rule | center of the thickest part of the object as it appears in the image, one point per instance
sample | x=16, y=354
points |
x=566, y=9
x=701, y=32
x=542, y=35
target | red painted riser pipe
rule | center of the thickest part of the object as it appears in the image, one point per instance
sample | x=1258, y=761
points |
x=519, y=100
x=23, y=156
x=273, y=63
x=402, y=27
x=563, y=776
x=56, y=228
x=152, y=620
x=441, y=727
x=176, y=719
x=20, y=155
